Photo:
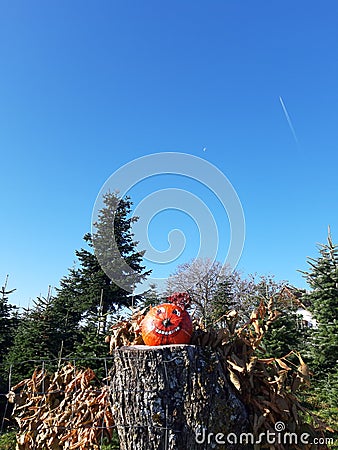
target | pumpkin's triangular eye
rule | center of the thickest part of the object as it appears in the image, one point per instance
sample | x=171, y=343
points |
x=177, y=312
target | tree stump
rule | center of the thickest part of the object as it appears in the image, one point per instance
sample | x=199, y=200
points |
x=174, y=397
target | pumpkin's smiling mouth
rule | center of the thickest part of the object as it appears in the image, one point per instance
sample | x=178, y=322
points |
x=167, y=333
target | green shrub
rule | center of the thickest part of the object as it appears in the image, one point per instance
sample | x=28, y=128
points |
x=8, y=441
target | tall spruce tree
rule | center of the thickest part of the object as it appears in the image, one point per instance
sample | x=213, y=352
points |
x=88, y=292
x=323, y=299
x=90, y=287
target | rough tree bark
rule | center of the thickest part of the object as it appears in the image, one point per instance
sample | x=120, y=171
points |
x=169, y=397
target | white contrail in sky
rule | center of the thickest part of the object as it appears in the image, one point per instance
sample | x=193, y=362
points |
x=288, y=119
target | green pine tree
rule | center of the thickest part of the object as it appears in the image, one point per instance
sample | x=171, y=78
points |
x=34, y=340
x=285, y=334
x=9, y=321
x=89, y=289
x=223, y=302
x=323, y=299
x=90, y=349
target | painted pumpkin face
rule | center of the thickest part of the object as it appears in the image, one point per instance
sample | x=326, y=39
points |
x=166, y=324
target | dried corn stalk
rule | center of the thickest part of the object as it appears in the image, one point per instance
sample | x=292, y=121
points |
x=67, y=410
x=126, y=332
x=266, y=386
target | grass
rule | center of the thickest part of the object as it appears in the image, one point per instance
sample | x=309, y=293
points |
x=326, y=411
x=8, y=441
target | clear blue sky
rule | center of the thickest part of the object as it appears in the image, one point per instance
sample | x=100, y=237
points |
x=87, y=86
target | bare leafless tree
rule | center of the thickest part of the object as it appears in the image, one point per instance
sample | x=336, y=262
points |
x=201, y=278
x=216, y=289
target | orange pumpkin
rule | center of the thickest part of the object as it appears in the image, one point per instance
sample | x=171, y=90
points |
x=166, y=324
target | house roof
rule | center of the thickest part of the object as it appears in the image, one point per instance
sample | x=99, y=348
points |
x=290, y=295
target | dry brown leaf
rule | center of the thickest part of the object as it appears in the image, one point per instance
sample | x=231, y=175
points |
x=282, y=364
x=251, y=364
x=235, y=380
x=235, y=366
